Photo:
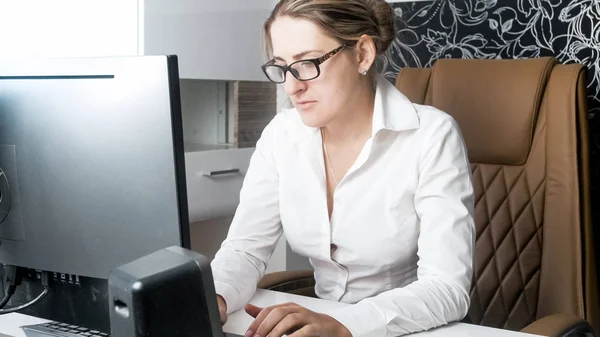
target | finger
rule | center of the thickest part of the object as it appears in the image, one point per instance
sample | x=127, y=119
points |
x=222, y=309
x=289, y=324
x=306, y=331
x=223, y=316
x=258, y=319
x=273, y=318
x=260, y=316
x=253, y=310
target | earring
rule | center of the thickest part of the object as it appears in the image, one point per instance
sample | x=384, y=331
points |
x=363, y=72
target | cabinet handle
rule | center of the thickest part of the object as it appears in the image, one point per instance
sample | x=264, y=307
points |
x=221, y=172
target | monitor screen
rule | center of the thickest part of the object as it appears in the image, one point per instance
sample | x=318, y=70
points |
x=92, y=171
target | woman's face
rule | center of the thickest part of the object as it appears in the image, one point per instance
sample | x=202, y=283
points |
x=327, y=97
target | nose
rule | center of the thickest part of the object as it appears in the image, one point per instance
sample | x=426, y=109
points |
x=292, y=86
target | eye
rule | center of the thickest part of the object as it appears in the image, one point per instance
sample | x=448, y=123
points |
x=306, y=64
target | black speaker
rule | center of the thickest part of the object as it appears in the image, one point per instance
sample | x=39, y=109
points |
x=168, y=293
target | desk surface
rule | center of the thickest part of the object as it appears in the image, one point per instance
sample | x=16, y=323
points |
x=239, y=321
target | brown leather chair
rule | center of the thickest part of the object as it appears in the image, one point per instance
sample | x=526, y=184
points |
x=525, y=126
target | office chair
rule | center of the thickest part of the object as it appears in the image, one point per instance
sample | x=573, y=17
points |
x=525, y=126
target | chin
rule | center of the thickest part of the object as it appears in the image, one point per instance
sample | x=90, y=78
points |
x=311, y=118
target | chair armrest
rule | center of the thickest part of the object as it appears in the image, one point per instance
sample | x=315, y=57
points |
x=299, y=282
x=560, y=325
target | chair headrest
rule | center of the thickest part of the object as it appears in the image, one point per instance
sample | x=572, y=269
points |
x=495, y=102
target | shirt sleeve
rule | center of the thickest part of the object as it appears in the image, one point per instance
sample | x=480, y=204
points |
x=444, y=202
x=256, y=227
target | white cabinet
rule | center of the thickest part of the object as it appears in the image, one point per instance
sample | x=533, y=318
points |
x=205, y=114
x=214, y=180
x=219, y=40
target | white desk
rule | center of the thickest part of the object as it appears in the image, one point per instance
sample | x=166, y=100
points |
x=238, y=322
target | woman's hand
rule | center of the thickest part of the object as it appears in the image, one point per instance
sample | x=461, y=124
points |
x=292, y=320
x=222, y=309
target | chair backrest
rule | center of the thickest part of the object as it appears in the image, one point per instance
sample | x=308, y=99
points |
x=525, y=126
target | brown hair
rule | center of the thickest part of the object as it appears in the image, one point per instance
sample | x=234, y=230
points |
x=345, y=20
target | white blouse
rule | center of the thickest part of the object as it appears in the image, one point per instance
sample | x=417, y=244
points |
x=402, y=219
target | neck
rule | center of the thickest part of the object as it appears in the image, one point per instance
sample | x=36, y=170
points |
x=357, y=121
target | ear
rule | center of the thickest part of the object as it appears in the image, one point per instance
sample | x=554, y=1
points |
x=366, y=53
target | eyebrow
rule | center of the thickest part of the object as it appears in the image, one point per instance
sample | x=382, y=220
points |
x=299, y=55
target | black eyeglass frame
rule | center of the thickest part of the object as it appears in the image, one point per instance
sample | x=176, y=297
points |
x=316, y=61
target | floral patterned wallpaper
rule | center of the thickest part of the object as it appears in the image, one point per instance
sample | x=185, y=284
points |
x=566, y=29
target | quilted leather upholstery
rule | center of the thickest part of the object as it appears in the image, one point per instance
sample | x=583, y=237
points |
x=509, y=208
x=509, y=243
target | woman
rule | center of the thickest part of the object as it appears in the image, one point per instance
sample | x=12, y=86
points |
x=375, y=190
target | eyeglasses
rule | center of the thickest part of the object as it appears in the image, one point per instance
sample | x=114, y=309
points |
x=303, y=70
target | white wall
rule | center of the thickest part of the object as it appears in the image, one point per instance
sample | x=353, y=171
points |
x=59, y=28
x=215, y=39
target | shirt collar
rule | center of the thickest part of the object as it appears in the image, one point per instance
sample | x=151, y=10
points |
x=392, y=110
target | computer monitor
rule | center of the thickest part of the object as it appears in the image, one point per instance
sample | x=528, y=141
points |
x=92, y=171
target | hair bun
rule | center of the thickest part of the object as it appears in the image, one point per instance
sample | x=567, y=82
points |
x=385, y=17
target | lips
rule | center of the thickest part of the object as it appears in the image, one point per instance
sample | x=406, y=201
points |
x=305, y=104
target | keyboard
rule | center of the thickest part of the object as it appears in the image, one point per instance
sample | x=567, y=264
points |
x=55, y=329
